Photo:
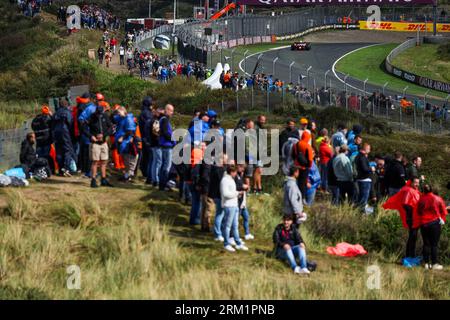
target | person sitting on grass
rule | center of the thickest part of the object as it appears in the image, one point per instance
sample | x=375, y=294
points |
x=289, y=245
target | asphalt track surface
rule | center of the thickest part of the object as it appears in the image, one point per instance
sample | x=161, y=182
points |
x=321, y=58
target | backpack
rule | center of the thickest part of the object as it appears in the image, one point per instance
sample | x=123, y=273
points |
x=299, y=156
x=286, y=155
x=156, y=128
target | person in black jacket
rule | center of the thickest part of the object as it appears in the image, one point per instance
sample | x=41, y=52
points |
x=289, y=245
x=42, y=126
x=145, y=117
x=363, y=178
x=395, y=174
x=98, y=128
x=27, y=152
x=62, y=135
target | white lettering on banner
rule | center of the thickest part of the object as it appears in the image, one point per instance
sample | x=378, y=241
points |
x=397, y=72
x=409, y=77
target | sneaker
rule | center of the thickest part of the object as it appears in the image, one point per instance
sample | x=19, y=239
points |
x=305, y=271
x=437, y=266
x=298, y=270
x=229, y=248
x=94, y=183
x=242, y=247
x=249, y=237
x=219, y=239
x=427, y=266
x=106, y=183
x=66, y=173
x=232, y=242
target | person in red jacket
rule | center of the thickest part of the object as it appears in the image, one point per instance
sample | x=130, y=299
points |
x=431, y=211
x=325, y=155
x=405, y=202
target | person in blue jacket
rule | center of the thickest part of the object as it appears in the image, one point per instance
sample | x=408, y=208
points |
x=200, y=128
x=313, y=183
x=85, y=165
x=127, y=141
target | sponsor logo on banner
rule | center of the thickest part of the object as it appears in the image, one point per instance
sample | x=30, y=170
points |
x=280, y=3
x=421, y=81
x=402, y=26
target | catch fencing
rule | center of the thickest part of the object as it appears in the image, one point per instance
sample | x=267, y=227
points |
x=10, y=142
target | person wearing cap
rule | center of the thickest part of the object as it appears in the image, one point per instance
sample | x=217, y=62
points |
x=339, y=138
x=304, y=127
x=289, y=245
x=41, y=126
x=127, y=142
x=86, y=110
x=200, y=128
x=212, y=115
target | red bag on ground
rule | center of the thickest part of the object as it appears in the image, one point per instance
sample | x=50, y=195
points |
x=345, y=249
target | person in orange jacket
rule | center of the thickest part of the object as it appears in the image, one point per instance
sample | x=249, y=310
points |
x=432, y=213
x=303, y=158
x=117, y=158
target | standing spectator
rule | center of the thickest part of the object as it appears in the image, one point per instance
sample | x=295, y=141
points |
x=303, y=158
x=98, y=127
x=242, y=200
x=432, y=213
x=42, y=125
x=145, y=116
x=257, y=174
x=286, y=134
x=395, y=174
x=325, y=155
x=292, y=197
x=229, y=196
x=166, y=145
x=405, y=202
x=63, y=136
x=101, y=54
x=413, y=169
x=364, y=171
x=342, y=167
x=113, y=45
x=339, y=138
x=122, y=55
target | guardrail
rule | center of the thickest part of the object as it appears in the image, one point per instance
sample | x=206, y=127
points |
x=409, y=76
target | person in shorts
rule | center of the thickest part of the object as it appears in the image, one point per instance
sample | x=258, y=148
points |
x=98, y=128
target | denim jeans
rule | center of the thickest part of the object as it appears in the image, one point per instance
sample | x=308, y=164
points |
x=156, y=164
x=246, y=219
x=364, y=192
x=218, y=218
x=393, y=191
x=324, y=176
x=166, y=163
x=195, y=207
x=231, y=224
x=334, y=195
x=310, y=196
x=149, y=164
x=293, y=253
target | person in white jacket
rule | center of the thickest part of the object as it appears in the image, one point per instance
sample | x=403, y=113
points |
x=229, y=195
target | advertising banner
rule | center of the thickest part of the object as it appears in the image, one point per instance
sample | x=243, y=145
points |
x=403, y=26
x=419, y=80
x=279, y=3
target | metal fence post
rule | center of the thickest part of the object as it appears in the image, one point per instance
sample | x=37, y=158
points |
x=290, y=71
x=268, y=99
x=237, y=100
x=253, y=96
x=345, y=85
x=245, y=62
x=273, y=66
x=314, y=91
x=326, y=74
x=232, y=60
x=384, y=87
x=307, y=77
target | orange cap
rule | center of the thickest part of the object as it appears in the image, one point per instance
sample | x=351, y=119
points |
x=303, y=121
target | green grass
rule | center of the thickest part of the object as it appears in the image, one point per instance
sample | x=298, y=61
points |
x=424, y=61
x=368, y=62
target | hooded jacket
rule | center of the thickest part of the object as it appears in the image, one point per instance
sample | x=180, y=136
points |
x=146, y=113
x=409, y=197
x=292, y=201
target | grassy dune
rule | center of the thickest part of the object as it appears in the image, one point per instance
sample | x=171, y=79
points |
x=138, y=245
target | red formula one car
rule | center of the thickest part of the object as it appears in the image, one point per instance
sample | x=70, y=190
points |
x=299, y=46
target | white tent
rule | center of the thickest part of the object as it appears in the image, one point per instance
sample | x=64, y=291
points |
x=213, y=81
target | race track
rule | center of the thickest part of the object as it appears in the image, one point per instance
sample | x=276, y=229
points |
x=321, y=58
